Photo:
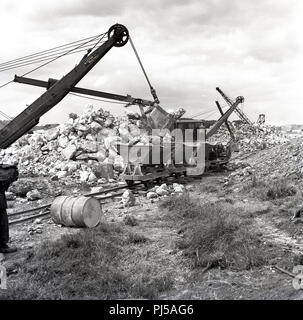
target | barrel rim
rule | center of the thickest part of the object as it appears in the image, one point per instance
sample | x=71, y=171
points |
x=58, y=201
x=99, y=217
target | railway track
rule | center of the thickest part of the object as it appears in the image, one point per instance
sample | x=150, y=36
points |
x=111, y=193
x=26, y=215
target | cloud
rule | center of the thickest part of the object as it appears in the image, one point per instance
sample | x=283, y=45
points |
x=250, y=48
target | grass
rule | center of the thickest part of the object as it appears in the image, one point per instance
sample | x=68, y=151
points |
x=209, y=188
x=91, y=264
x=270, y=190
x=279, y=190
x=136, y=238
x=181, y=205
x=130, y=221
x=214, y=235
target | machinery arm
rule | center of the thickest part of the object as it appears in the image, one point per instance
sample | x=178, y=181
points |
x=226, y=122
x=117, y=36
x=225, y=97
x=95, y=93
x=237, y=110
x=224, y=117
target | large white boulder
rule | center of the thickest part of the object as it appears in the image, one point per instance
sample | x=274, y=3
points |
x=69, y=152
x=33, y=195
x=128, y=199
x=162, y=190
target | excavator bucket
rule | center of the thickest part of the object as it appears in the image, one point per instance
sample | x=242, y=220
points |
x=158, y=118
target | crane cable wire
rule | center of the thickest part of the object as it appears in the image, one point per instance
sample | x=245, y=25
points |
x=95, y=99
x=210, y=115
x=57, y=57
x=44, y=52
x=4, y=115
x=140, y=62
x=152, y=90
x=58, y=52
x=202, y=113
x=205, y=112
x=5, y=84
x=43, y=58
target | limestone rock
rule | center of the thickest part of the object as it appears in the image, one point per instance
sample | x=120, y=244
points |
x=88, y=146
x=10, y=196
x=128, y=199
x=92, y=177
x=63, y=141
x=84, y=175
x=61, y=174
x=96, y=189
x=162, y=190
x=69, y=152
x=178, y=188
x=151, y=195
x=33, y=195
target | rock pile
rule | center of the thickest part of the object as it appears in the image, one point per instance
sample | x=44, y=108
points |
x=35, y=227
x=128, y=199
x=282, y=161
x=279, y=162
x=165, y=190
x=252, y=138
x=81, y=149
x=33, y=195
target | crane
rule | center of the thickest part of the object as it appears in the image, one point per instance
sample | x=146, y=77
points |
x=226, y=122
x=240, y=113
x=117, y=37
x=27, y=119
x=56, y=90
x=113, y=96
x=224, y=117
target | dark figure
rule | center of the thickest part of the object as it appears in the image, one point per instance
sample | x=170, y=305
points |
x=12, y=174
x=4, y=236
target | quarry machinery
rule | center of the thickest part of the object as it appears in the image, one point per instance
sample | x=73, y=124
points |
x=157, y=161
x=56, y=90
x=154, y=117
x=261, y=119
x=239, y=112
x=232, y=136
x=27, y=119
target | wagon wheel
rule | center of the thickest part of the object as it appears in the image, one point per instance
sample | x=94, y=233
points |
x=148, y=184
x=177, y=175
x=159, y=180
x=129, y=183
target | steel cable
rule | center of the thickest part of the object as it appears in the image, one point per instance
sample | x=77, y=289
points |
x=62, y=47
x=41, y=59
x=95, y=99
x=73, y=50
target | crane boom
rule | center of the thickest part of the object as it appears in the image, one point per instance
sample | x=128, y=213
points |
x=27, y=119
x=240, y=113
x=95, y=93
x=224, y=117
x=226, y=122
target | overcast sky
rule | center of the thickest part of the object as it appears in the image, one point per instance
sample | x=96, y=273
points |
x=249, y=48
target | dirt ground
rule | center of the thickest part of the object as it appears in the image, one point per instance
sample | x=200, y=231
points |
x=157, y=252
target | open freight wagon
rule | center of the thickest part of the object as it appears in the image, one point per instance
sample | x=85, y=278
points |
x=169, y=154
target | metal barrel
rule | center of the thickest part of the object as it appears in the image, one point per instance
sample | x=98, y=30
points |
x=76, y=211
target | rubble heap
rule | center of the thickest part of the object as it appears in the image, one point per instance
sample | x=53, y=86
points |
x=251, y=138
x=80, y=148
x=283, y=161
